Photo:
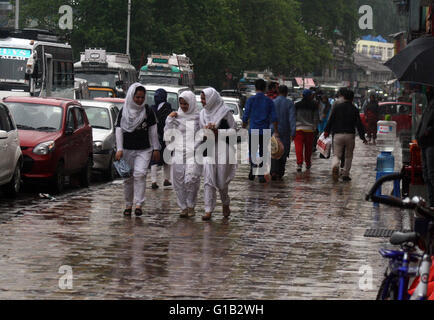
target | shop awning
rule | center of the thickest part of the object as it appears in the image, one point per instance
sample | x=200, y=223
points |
x=308, y=82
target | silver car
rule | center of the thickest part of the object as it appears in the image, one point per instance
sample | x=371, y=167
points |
x=11, y=158
x=102, y=117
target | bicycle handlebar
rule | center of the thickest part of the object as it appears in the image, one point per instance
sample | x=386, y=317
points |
x=397, y=202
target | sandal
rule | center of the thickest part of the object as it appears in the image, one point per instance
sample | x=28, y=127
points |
x=127, y=212
x=191, y=212
x=206, y=217
x=138, y=212
x=226, y=211
x=184, y=213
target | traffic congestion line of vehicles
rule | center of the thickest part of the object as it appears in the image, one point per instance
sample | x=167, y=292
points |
x=57, y=117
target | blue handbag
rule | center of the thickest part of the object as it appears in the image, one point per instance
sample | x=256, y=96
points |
x=122, y=168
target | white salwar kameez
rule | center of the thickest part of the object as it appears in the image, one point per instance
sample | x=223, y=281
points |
x=185, y=176
x=138, y=160
x=216, y=176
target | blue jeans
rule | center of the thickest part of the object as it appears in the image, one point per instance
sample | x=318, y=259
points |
x=428, y=172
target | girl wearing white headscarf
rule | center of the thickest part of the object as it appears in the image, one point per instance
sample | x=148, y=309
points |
x=185, y=174
x=137, y=142
x=216, y=115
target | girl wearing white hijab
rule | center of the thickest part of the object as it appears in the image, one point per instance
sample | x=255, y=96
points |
x=216, y=115
x=137, y=142
x=185, y=175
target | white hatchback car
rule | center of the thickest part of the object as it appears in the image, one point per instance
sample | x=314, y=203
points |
x=102, y=118
x=11, y=158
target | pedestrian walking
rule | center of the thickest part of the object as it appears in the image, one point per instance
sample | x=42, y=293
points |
x=342, y=125
x=273, y=90
x=162, y=109
x=285, y=111
x=307, y=118
x=259, y=114
x=185, y=171
x=371, y=111
x=216, y=115
x=325, y=110
x=425, y=140
x=137, y=142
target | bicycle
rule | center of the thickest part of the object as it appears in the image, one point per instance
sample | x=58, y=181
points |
x=398, y=273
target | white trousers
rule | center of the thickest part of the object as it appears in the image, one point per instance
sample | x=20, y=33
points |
x=186, y=183
x=154, y=172
x=210, y=197
x=134, y=187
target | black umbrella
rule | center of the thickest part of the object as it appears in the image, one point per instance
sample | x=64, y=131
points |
x=415, y=63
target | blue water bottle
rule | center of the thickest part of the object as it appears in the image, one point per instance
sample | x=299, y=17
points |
x=385, y=162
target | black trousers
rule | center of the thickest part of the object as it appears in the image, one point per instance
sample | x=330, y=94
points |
x=278, y=166
x=253, y=153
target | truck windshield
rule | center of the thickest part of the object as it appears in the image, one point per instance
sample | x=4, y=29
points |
x=157, y=79
x=100, y=79
x=13, y=64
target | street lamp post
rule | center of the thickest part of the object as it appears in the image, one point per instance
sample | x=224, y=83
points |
x=17, y=14
x=128, y=27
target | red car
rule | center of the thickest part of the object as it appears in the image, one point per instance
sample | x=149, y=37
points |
x=55, y=139
x=400, y=112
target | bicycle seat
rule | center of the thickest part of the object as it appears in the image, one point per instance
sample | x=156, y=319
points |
x=399, y=238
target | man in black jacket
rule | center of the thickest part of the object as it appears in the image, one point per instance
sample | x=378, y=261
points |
x=425, y=140
x=342, y=125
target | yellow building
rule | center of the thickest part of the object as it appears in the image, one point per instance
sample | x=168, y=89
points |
x=377, y=50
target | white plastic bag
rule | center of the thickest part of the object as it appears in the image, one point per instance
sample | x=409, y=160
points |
x=324, y=145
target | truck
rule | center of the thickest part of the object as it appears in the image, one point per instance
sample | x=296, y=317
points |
x=168, y=69
x=109, y=74
x=35, y=62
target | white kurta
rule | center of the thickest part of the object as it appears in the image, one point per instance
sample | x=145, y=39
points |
x=138, y=160
x=218, y=176
x=185, y=177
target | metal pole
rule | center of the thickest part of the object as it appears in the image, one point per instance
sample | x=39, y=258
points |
x=128, y=27
x=17, y=14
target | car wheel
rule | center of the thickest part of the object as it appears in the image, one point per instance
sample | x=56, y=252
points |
x=110, y=173
x=59, y=179
x=86, y=173
x=13, y=187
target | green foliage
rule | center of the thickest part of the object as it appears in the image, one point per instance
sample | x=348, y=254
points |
x=288, y=37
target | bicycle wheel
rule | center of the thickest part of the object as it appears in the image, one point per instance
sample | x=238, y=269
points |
x=389, y=288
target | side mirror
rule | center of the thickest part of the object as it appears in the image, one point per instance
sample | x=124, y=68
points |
x=3, y=134
x=69, y=131
x=233, y=111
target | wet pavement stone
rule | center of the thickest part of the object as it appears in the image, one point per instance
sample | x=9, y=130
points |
x=301, y=238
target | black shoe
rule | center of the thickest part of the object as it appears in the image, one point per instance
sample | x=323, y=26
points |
x=127, y=212
x=262, y=179
x=167, y=183
x=138, y=212
x=251, y=177
x=154, y=185
x=346, y=178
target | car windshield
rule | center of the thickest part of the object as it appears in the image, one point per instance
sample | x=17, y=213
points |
x=233, y=107
x=102, y=79
x=100, y=94
x=39, y=117
x=172, y=98
x=99, y=118
x=13, y=64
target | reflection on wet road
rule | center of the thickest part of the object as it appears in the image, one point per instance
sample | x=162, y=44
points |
x=301, y=238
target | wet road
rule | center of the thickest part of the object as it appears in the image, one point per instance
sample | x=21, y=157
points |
x=297, y=239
